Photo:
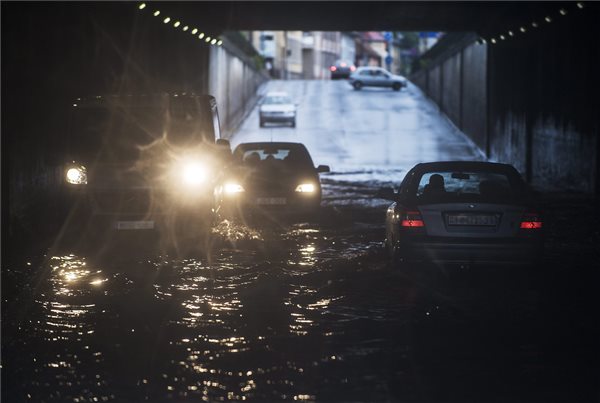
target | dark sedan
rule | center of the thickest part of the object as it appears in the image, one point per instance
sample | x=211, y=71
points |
x=341, y=69
x=463, y=212
x=268, y=179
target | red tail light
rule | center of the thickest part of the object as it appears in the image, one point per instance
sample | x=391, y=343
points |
x=531, y=221
x=333, y=68
x=411, y=219
x=343, y=64
x=352, y=68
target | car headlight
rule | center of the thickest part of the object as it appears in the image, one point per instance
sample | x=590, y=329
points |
x=194, y=174
x=305, y=188
x=76, y=175
x=233, y=188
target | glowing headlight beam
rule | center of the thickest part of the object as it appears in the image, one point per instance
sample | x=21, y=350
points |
x=305, y=188
x=76, y=175
x=233, y=188
x=194, y=174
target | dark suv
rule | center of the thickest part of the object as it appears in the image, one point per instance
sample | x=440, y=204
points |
x=143, y=164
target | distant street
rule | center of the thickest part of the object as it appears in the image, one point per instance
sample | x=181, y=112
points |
x=375, y=134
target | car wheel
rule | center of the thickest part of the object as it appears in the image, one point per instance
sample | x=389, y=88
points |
x=392, y=250
x=357, y=85
x=396, y=86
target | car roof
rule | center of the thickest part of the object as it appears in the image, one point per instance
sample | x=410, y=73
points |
x=464, y=166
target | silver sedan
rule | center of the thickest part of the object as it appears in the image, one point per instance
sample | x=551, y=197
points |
x=369, y=76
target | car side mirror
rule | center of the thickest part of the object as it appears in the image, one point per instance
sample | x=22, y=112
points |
x=386, y=193
x=323, y=168
x=223, y=143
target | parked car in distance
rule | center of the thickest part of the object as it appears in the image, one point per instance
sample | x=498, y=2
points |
x=277, y=107
x=269, y=179
x=371, y=76
x=464, y=213
x=341, y=69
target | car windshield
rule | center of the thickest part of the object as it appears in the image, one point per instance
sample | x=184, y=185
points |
x=467, y=185
x=277, y=100
x=124, y=131
x=284, y=157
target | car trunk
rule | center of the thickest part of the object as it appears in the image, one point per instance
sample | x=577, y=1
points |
x=471, y=220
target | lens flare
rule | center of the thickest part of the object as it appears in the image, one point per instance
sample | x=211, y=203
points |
x=233, y=188
x=194, y=174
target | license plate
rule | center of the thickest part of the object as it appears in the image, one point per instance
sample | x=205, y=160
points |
x=271, y=200
x=134, y=225
x=472, y=219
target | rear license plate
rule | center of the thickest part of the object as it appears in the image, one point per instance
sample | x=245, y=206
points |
x=134, y=225
x=472, y=219
x=271, y=201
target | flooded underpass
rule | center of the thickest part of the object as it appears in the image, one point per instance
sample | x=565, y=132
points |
x=309, y=311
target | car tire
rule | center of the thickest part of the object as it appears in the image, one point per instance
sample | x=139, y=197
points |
x=357, y=85
x=392, y=251
x=396, y=86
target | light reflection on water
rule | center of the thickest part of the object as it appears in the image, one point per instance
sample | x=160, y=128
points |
x=257, y=322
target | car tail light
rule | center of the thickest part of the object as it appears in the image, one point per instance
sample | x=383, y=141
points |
x=352, y=68
x=333, y=68
x=531, y=220
x=343, y=64
x=411, y=219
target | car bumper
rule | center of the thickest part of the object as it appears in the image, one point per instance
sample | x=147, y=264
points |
x=277, y=118
x=509, y=253
x=340, y=74
x=269, y=205
x=133, y=210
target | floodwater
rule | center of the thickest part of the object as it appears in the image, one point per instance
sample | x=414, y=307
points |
x=310, y=311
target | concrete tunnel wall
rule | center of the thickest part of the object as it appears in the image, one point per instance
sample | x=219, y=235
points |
x=531, y=100
x=234, y=81
x=54, y=53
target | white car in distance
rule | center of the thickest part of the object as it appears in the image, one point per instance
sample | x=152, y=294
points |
x=277, y=107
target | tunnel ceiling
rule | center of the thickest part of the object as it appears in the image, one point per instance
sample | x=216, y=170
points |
x=485, y=18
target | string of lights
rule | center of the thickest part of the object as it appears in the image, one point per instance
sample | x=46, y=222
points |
x=185, y=28
x=523, y=29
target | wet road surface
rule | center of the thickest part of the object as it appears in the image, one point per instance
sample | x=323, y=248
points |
x=311, y=311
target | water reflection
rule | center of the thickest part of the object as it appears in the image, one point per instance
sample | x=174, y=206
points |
x=308, y=313
x=65, y=352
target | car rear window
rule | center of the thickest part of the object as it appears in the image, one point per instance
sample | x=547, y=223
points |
x=468, y=185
